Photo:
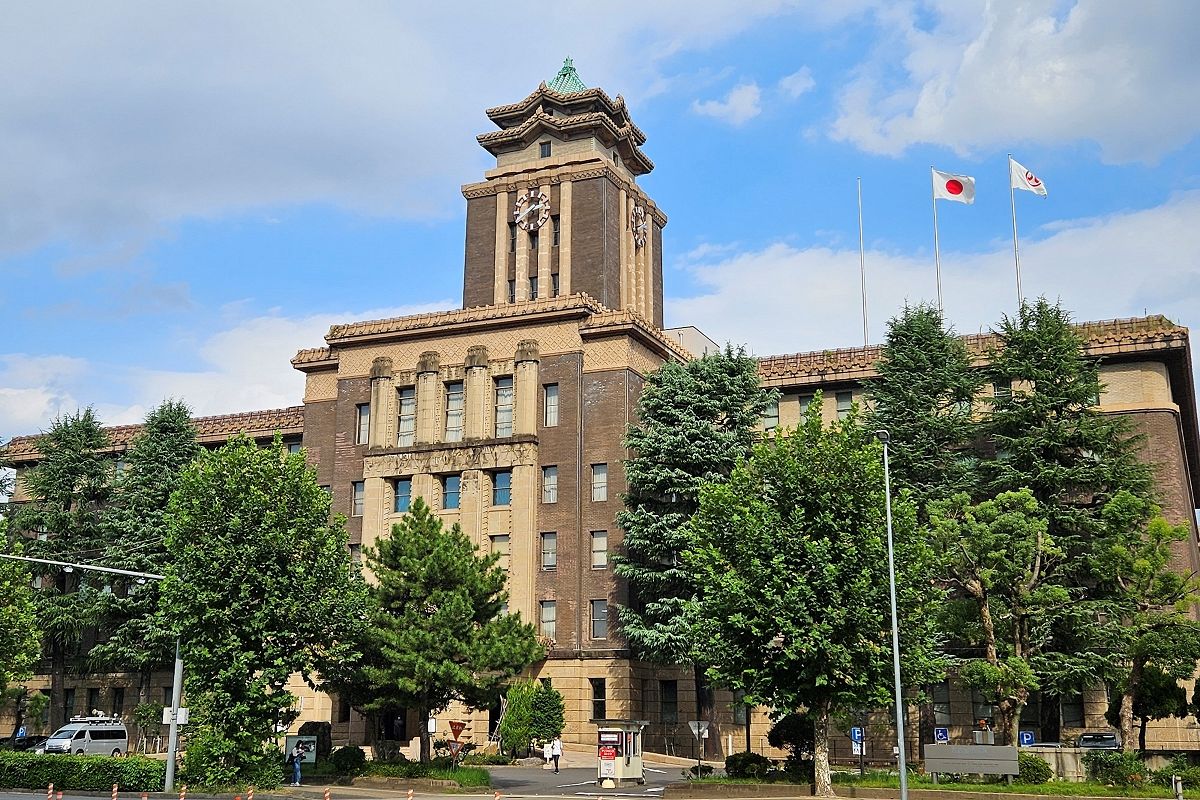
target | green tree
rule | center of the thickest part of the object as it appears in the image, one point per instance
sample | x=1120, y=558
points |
x=516, y=728
x=139, y=640
x=696, y=421
x=436, y=630
x=64, y=520
x=1159, y=696
x=924, y=398
x=20, y=645
x=549, y=713
x=792, y=552
x=259, y=586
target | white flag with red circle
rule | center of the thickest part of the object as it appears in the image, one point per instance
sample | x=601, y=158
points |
x=948, y=186
x=1024, y=179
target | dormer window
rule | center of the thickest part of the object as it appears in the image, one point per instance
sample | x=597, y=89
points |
x=545, y=150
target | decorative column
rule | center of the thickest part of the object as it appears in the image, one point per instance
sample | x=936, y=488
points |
x=382, y=432
x=525, y=387
x=648, y=250
x=477, y=400
x=545, y=246
x=623, y=250
x=502, y=221
x=429, y=407
x=564, y=243
x=524, y=544
x=522, y=271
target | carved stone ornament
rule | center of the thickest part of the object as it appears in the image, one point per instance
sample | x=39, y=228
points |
x=531, y=210
x=637, y=222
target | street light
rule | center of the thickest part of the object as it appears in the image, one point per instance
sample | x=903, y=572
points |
x=886, y=438
x=176, y=690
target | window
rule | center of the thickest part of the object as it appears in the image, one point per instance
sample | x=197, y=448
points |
x=805, y=401
x=599, y=619
x=167, y=691
x=502, y=488
x=845, y=401
x=668, y=702
x=550, y=405
x=343, y=710
x=554, y=284
x=547, y=682
x=533, y=287
x=69, y=703
x=364, y=423
x=406, y=423
x=504, y=407
x=549, y=484
x=356, y=554
x=512, y=291
x=512, y=237
x=295, y=447
x=534, y=241
x=501, y=544
x=599, y=482
x=599, y=549
x=547, y=616
x=1070, y=709
x=451, y=491
x=544, y=150
x=549, y=551
x=454, y=411
x=327, y=489
x=941, y=703
x=403, y=495
x=1002, y=390
x=357, y=494
x=555, y=233
x=93, y=700
x=980, y=708
x=599, y=706
x=118, y=701
x=770, y=419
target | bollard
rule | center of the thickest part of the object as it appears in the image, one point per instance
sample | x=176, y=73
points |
x=58, y=795
x=114, y=793
x=50, y=792
x=250, y=793
x=326, y=793
x=183, y=792
x=143, y=796
x=410, y=794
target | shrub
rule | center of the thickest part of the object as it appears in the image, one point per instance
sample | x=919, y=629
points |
x=796, y=734
x=705, y=771
x=516, y=732
x=440, y=769
x=348, y=760
x=747, y=765
x=485, y=759
x=1116, y=768
x=1034, y=769
x=547, y=717
x=81, y=773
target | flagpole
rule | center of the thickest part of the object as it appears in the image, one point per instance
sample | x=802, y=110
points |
x=937, y=257
x=862, y=265
x=1012, y=199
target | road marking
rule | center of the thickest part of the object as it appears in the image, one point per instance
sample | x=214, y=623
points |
x=652, y=769
x=581, y=783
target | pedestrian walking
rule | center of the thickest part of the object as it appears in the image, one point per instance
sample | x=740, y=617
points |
x=294, y=758
x=556, y=751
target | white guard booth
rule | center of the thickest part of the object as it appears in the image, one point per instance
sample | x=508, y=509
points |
x=619, y=752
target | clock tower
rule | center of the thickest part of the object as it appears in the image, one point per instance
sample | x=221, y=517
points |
x=561, y=213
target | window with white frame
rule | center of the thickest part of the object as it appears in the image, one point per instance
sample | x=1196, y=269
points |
x=363, y=423
x=599, y=482
x=454, y=411
x=403, y=494
x=547, y=617
x=845, y=402
x=406, y=420
x=358, y=495
x=501, y=543
x=941, y=703
x=533, y=287
x=549, y=552
x=599, y=549
x=504, y=406
x=451, y=492
x=770, y=418
x=502, y=488
x=549, y=484
x=599, y=619
x=550, y=405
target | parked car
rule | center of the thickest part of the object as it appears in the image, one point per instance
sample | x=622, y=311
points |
x=1099, y=740
x=22, y=742
x=94, y=736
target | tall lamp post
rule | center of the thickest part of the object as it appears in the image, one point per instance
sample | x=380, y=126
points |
x=176, y=690
x=886, y=439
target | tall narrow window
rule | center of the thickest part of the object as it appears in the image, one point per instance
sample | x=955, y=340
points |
x=770, y=419
x=543, y=149
x=549, y=484
x=406, y=422
x=363, y=433
x=512, y=237
x=403, y=493
x=534, y=240
x=501, y=544
x=451, y=491
x=599, y=619
x=549, y=551
x=599, y=698
x=805, y=401
x=668, y=697
x=502, y=488
x=454, y=411
x=845, y=402
x=599, y=482
x=533, y=287
x=118, y=701
x=550, y=405
x=599, y=549
x=547, y=617
x=555, y=231
x=512, y=291
x=358, y=492
x=941, y=703
x=504, y=407
x=554, y=291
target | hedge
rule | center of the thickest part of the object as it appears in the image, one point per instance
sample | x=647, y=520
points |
x=20, y=770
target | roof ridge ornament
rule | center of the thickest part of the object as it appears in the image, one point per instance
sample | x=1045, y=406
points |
x=567, y=81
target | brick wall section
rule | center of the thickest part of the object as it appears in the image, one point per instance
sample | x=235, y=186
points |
x=595, y=248
x=348, y=456
x=479, y=276
x=656, y=275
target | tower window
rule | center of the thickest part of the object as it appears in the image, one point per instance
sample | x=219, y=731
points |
x=555, y=230
x=454, y=412
x=512, y=291
x=406, y=425
x=512, y=237
x=554, y=284
x=544, y=150
x=504, y=407
x=533, y=287
x=502, y=544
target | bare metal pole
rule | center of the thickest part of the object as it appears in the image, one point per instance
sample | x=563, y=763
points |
x=885, y=437
x=1012, y=199
x=862, y=265
x=937, y=255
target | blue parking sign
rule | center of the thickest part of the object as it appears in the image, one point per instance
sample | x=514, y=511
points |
x=1026, y=738
x=856, y=734
x=21, y=732
x=941, y=736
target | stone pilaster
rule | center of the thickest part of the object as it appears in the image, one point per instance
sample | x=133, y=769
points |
x=625, y=246
x=523, y=540
x=383, y=404
x=522, y=271
x=477, y=388
x=564, y=244
x=525, y=387
x=429, y=397
x=502, y=221
x=545, y=246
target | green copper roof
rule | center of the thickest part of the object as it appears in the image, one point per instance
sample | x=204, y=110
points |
x=567, y=80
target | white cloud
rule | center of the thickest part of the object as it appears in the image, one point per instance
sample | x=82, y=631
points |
x=808, y=299
x=738, y=107
x=797, y=83
x=1122, y=75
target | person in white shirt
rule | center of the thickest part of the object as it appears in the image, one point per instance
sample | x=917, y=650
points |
x=556, y=751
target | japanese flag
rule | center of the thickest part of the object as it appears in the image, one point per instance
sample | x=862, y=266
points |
x=1024, y=179
x=948, y=186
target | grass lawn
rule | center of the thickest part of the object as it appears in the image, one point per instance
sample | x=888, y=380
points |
x=1054, y=788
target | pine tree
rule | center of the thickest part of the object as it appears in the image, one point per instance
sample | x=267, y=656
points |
x=924, y=398
x=696, y=421
x=64, y=521
x=139, y=639
x=436, y=632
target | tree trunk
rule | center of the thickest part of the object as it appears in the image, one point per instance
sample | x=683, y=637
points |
x=1142, y=734
x=1126, y=716
x=704, y=711
x=20, y=703
x=426, y=739
x=822, y=779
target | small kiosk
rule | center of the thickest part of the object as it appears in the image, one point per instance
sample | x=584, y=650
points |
x=619, y=752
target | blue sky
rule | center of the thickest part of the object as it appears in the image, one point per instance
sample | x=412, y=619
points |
x=193, y=192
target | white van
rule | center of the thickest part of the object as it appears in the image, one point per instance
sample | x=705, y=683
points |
x=93, y=736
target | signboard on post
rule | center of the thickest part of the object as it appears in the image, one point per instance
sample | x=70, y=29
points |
x=1026, y=738
x=455, y=747
x=182, y=719
x=308, y=742
x=941, y=736
x=856, y=734
x=699, y=728
x=456, y=728
x=608, y=753
x=856, y=748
